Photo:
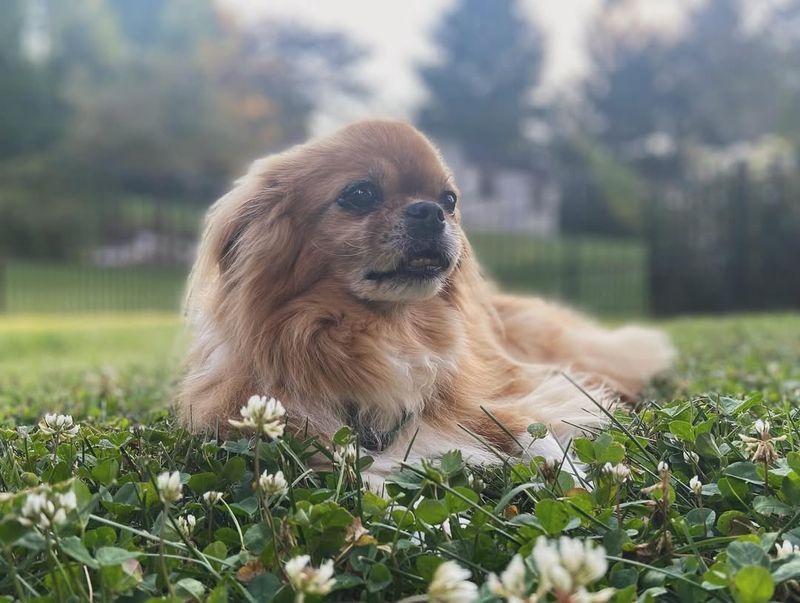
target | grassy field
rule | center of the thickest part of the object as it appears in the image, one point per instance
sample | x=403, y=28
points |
x=663, y=535
x=605, y=276
x=32, y=287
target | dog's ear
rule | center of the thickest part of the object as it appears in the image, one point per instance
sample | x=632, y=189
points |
x=230, y=217
x=227, y=224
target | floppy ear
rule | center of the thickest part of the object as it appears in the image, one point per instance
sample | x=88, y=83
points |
x=226, y=225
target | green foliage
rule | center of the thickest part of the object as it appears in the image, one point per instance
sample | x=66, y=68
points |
x=480, y=91
x=165, y=100
x=670, y=542
x=716, y=84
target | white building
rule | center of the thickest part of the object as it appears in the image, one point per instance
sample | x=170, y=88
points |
x=503, y=199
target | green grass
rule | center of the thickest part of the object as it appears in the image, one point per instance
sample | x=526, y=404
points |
x=115, y=373
x=31, y=287
x=606, y=276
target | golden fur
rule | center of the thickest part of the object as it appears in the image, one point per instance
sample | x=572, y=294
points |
x=280, y=305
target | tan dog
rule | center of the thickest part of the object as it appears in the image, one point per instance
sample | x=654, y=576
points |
x=336, y=278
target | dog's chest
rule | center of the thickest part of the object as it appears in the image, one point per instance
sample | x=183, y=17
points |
x=414, y=377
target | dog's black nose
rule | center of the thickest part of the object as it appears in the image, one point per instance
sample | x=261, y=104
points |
x=424, y=218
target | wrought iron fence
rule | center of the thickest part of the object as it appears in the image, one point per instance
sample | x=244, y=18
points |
x=729, y=245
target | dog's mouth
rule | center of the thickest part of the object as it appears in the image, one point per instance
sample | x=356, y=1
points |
x=416, y=266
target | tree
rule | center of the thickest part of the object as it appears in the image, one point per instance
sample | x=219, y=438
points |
x=480, y=91
x=159, y=100
x=714, y=86
x=31, y=114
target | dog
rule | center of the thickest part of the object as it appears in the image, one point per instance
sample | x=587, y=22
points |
x=336, y=278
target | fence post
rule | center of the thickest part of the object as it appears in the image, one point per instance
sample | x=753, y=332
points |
x=653, y=261
x=739, y=294
x=571, y=271
x=3, y=285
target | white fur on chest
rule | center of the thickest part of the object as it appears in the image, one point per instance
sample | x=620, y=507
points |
x=413, y=379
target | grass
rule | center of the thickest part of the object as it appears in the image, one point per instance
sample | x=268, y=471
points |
x=605, y=276
x=122, y=542
x=36, y=287
x=601, y=275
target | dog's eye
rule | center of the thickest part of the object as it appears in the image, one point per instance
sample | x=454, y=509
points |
x=360, y=196
x=449, y=200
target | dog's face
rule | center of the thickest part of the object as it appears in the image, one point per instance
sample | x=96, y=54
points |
x=379, y=209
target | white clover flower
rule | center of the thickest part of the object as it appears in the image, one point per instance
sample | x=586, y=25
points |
x=307, y=580
x=584, y=596
x=619, y=473
x=212, y=497
x=67, y=501
x=551, y=462
x=696, y=485
x=763, y=447
x=663, y=467
x=511, y=583
x=59, y=425
x=47, y=509
x=786, y=549
x=450, y=584
x=691, y=457
x=345, y=455
x=186, y=525
x=169, y=487
x=260, y=414
x=273, y=484
x=568, y=568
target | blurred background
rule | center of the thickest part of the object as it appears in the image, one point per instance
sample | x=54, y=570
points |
x=633, y=157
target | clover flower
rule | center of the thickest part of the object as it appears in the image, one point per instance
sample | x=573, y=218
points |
x=308, y=580
x=186, y=525
x=273, y=484
x=568, y=568
x=345, y=454
x=46, y=509
x=169, y=486
x=786, y=549
x=763, y=447
x=691, y=458
x=663, y=467
x=262, y=415
x=619, y=473
x=212, y=497
x=451, y=584
x=548, y=467
x=696, y=486
x=59, y=425
x=511, y=583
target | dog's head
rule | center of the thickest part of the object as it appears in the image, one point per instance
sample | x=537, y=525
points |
x=371, y=208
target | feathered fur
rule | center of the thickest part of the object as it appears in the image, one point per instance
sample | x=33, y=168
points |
x=278, y=305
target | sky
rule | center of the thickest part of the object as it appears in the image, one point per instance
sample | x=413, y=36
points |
x=398, y=35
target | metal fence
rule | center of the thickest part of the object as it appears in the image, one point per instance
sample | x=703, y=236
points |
x=730, y=245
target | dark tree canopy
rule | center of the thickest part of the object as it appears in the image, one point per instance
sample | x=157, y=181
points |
x=714, y=86
x=480, y=90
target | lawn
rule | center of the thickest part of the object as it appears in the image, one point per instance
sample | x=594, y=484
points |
x=127, y=536
x=606, y=276
x=27, y=287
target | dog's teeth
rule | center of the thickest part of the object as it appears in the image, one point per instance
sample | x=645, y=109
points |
x=422, y=262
